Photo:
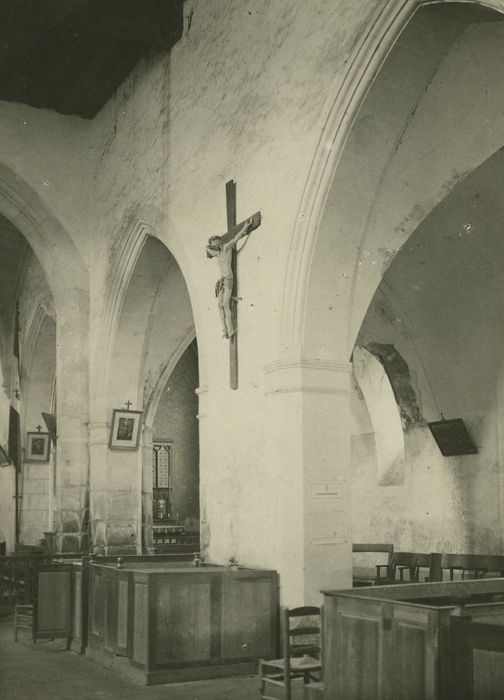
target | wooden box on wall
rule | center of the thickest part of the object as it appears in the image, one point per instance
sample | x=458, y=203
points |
x=163, y=625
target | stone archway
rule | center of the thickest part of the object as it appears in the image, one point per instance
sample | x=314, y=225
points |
x=145, y=329
x=336, y=182
x=38, y=482
x=388, y=156
x=67, y=278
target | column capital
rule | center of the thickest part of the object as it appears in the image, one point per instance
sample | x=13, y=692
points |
x=202, y=393
x=307, y=375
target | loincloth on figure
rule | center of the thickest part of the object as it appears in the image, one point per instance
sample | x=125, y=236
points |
x=222, y=284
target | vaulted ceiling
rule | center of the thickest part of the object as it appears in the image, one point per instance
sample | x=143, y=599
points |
x=71, y=55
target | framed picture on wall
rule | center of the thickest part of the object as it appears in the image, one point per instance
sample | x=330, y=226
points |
x=37, y=447
x=125, y=430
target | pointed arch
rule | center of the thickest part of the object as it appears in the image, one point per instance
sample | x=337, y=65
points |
x=342, y=107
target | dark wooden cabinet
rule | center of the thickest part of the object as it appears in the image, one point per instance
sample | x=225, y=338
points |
x=169, y=624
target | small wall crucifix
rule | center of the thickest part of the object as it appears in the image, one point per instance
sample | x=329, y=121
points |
x=226, y=290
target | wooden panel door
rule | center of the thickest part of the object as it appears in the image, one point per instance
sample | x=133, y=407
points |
x=182, y=622
x=410, y=669
x=477, y=659
x=110, y=580
x=53, y=602
x=249, y=615
x=96, y=608
x=354, y=650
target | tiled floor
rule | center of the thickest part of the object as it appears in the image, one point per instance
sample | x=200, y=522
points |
x=46, y=671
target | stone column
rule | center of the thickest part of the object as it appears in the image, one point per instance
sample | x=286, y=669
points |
x=309, y=408
x=72, y=452
x=202, y=393
x=115, y=490
x=146, y=515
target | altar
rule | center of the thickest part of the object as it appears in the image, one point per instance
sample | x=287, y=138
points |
x=173, y=621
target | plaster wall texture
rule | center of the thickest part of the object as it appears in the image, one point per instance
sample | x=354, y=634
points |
x=426, y=122
x=440, y=296
x=245, y=95
x=54, y=155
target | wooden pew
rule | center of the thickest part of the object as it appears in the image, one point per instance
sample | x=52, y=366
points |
x=472, y=566
x=366, y=575
x=403, y=568
x=400, y=641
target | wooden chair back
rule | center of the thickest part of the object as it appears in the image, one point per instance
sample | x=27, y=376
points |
x=400, y=563
x=472, y=565
x=304, y=639
x=365, y=575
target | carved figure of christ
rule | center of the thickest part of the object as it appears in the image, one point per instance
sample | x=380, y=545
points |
x=223, y=248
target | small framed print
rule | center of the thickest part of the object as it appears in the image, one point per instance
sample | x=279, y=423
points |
x=37, y=447
x=125, y=430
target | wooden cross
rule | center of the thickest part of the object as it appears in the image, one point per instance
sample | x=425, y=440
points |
x=128, y=404
x=38, y=428
x=232, y=228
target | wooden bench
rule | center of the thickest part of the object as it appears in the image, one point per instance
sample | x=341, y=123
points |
x=403, y=568
x=472, y=566
x=367, y=575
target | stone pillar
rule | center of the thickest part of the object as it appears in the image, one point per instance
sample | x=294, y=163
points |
x=114, y=494
x=72, y=452
x=202, y=393
x=309, y=408
x=145, y=521
x=98, y=440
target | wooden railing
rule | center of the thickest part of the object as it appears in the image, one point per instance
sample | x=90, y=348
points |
x=18, y=572
x=17, y=579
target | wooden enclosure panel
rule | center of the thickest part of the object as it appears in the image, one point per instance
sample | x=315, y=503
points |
x=97, y=608
x=183, y=631
x=141, y=624
x=410, y=662
x=358, y=649
x=488, y=670
x=380, y=649
x=248, y=617
x=77, y=615
x=54, y=603
x=122, y=616
x=111, y=605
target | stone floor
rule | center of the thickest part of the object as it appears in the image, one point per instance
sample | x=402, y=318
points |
x=46, y=671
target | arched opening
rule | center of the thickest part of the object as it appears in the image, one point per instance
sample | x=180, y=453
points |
x=38, y=482
x=55, y=259
x=154, y=332
x=440, y=304
x=429, y=114
x=175, y=442
x=429, y=118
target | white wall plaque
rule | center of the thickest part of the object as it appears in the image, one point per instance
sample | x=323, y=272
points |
x=327, y=512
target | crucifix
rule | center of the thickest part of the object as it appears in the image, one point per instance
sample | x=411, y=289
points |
x=128, y=404
x=226, y=290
